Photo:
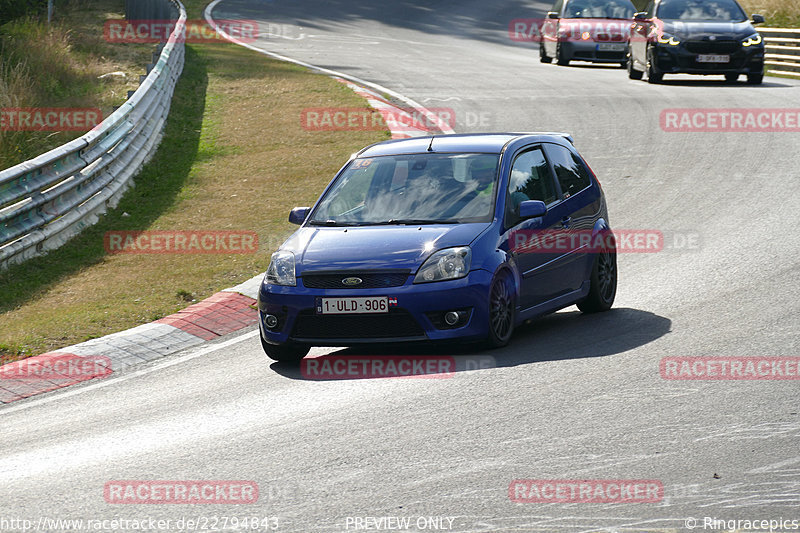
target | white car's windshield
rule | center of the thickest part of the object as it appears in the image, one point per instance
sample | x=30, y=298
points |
x=411, y=189
x=599, y=9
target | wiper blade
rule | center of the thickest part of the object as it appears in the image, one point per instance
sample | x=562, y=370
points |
x=412, y=221
x=391, y=222
x=331, y=223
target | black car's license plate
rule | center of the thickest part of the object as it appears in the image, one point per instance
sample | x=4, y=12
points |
x=709, y=58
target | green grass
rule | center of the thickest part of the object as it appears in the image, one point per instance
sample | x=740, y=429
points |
x=157, y=187
x=59, y=65
x=233, y=157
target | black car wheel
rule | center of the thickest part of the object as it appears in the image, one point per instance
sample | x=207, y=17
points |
x=632, y=72
x=653, y=74
x=561, y=56
x=755, y=79
x=501, y=310
x=543, y=57
x=603, y=283
x=285, y=353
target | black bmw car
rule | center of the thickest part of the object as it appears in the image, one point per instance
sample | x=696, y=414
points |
x=695, y=37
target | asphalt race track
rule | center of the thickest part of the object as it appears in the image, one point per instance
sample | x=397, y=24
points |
x=573, y=397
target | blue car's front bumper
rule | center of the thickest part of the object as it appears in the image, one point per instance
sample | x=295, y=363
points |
x=415, y=317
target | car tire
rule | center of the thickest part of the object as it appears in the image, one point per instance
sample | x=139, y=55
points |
x=602, y=284
x=561, y=57
x=543, y=57
x=653, y=75
x=632, y=72
x=731, y=77
x=285, y=353
x=755, y=79
x=502, y=310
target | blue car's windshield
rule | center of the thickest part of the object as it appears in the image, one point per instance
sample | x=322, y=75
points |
x=701, y=10
x=411, y=189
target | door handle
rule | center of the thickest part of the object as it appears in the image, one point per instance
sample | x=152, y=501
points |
x=566, y=221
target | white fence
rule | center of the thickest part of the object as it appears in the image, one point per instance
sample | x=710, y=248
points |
x=782, y=50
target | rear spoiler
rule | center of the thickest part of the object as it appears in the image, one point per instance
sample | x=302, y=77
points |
x=567, y=136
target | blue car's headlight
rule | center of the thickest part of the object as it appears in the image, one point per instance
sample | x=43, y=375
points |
x=752, y=40
x=281, y=269
x=450, y=263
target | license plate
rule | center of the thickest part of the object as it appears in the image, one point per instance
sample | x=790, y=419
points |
x=713, y=59
x=348, y=306
x=611, y=47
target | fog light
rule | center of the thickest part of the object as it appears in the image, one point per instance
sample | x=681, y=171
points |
x=270, y=321
x=451, y=317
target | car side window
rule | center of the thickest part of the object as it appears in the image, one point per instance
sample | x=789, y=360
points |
x=570, y=171
x=530, y=180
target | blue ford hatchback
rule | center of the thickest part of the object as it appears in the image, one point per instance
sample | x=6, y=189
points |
x=444, y=238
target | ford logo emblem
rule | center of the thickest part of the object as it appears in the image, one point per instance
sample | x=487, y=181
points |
x=351, y=281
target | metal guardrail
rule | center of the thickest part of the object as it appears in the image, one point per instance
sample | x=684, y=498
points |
x=782, y=54
x=47, y=200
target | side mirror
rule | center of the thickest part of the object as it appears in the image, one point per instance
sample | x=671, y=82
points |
x=298, y=215
x=552, y=14
x=757, y=19
x=532, y=209
x=641, y=16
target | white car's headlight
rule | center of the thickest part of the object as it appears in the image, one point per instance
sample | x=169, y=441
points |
x=751, y=40
x=281, y=269
x=450, y=263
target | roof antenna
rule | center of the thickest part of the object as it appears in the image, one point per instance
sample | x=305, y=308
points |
x=430, y=146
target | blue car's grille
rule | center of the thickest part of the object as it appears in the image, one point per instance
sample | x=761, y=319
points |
x=369, y=280
x=397, y=323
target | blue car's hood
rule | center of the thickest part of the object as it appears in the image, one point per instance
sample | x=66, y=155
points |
x=702, y=30
x=374, y=247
